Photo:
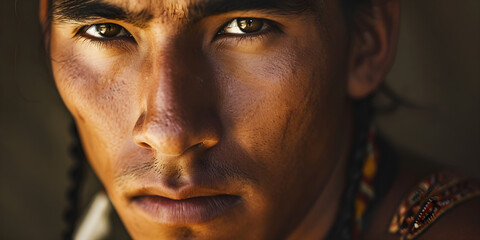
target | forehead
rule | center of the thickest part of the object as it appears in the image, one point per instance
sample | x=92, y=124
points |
x=160, y=6
x=183, y=9
x=157, y=9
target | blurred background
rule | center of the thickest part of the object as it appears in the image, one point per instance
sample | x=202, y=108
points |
x=437, y=66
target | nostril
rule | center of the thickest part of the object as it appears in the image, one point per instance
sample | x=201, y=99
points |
x=193, y=147
x=145, y=145
x=198, y=145
x=138, y=132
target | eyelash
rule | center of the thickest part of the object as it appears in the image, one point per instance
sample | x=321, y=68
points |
x=125, y=41
x=119, y=42
x=271, y=27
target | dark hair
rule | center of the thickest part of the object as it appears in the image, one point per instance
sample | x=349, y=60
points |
x=76, y=175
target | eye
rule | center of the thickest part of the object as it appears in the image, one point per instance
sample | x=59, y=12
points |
x=106, y=30
x=244, y=26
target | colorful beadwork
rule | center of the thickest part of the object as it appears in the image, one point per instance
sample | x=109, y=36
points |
x=366, y=191
x=428, y=201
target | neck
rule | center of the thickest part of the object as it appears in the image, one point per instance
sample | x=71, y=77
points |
x=322, y=215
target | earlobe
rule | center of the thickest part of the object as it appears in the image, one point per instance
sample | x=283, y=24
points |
x=373, y=45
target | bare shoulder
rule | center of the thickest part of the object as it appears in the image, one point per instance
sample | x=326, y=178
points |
x=426, y=203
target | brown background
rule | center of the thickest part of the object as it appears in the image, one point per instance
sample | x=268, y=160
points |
x=437, y=67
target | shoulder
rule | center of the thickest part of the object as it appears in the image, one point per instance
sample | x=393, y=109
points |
x=426, y=203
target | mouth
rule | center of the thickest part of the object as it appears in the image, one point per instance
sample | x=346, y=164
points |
x=194, y=210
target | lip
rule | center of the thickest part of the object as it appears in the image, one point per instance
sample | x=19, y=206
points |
x=194, y=210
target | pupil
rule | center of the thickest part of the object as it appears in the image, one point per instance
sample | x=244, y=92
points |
x=249, y=25
x=108, y=30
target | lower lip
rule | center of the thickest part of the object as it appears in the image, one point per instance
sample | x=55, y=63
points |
x=186, y=211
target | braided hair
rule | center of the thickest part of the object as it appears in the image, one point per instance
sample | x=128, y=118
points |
x=363, y=113
x=77, y=176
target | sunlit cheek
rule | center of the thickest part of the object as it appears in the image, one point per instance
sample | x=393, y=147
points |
x=96, y=88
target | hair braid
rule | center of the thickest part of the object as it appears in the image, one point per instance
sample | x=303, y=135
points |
x=76, y=175
x=363, y=112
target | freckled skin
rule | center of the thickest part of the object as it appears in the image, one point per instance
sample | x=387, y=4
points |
x=265, y=119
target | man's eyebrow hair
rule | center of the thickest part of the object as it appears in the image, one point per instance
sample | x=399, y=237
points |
x=81, y=10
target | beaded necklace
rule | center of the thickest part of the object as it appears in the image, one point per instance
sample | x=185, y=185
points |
x=366, y=191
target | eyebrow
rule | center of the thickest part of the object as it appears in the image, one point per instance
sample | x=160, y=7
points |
x=83, y=10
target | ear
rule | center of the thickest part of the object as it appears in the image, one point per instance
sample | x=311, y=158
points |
x=373, y=45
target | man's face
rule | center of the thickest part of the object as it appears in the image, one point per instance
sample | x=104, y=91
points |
x=206, y=119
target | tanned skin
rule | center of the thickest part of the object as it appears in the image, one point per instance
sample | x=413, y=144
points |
x=182, y=104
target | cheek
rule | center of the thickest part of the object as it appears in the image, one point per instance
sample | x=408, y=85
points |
x=262, y=96
x=90, y=88
x=272, y=104
x=100, y=93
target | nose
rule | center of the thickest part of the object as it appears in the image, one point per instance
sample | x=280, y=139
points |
x=171, y=134
x=179, y=115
